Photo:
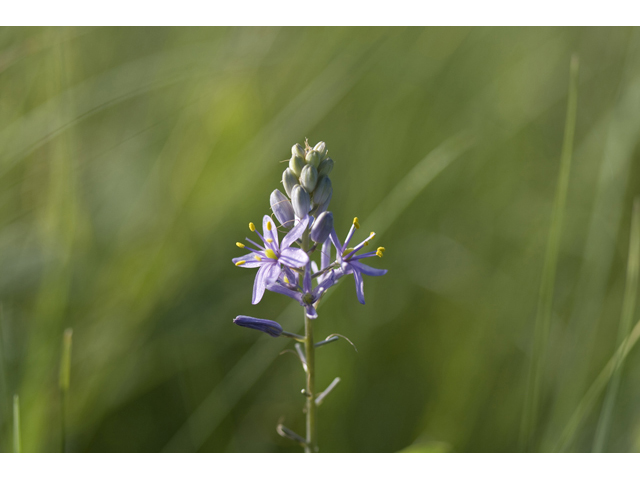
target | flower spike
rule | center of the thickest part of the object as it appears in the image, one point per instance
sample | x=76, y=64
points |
x=301, y=213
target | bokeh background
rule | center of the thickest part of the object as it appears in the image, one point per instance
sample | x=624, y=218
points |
x=132, y=160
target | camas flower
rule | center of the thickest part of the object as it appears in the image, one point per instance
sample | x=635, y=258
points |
x=267, y=326
x=271, y=258
x=350, y=262
x=308, y=295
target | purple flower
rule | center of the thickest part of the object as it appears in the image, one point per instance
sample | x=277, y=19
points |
x=274, y=256
x=350, y=262
x=308, y=295
x=267, y=326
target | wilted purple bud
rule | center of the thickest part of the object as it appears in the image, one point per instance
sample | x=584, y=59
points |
x=297, y=150
x=301, y=201
x=296, y=164
x=267, y=326
x=282, y=208
x=309, y=178
x=322, y=227
x=325, y=167
x=313, y=158
x=323, y=191
x=289, y=180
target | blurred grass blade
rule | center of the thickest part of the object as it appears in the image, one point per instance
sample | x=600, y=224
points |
x=65, y=360
x=601, y=381
x=547, y=284
x=427, y=447
x=628, y=309
x=417, y=179
x=4, y=391
x=17, y=442
x=64, y=381
x=580, y=334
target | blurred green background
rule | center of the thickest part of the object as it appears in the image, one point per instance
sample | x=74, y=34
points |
x=132, y=160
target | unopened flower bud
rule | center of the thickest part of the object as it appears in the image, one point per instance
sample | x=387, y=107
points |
x=282, y=208
x=323, y=190
x=267, y=326
x=296, y=164
x=289, y=180
x=321, y=149
x=301, y=201
x=325, y=167
x=322, y=227
x=313, y=158
x=309, y=178
x=297, y=150
x=323, y=206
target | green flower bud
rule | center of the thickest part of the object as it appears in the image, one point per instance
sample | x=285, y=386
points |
x=296, y=164
x=297, y=150
x=301, y=201
x=321, y=149
x=313, y=158
x=325, y=167
x=309, y=178
x=289, y=180
x=323, y=190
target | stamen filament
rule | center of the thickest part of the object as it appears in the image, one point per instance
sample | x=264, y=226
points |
x=264, y=240
x=349, y=236
x=260, y=247
x=364, y=255
x=361, y=244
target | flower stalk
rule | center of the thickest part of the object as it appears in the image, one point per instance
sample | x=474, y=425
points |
x=288, y=270
x=311, y=445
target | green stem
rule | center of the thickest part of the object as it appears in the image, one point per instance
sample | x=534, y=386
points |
x=309, y=347
x=312, y=434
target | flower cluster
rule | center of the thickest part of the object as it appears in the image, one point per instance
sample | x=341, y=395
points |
x=285, y=266
x=287, y=269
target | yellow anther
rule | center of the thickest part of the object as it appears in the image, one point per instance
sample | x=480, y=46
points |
x=257, y=257
x=366, y=243
x=269, y=226
x=286, y=280
x=241, y=262
x=269, y=240
x=379, y=253
x=381, y=249
x=238, y=244
x=252, y=227
x=372, y=235
x=356, y=223
x=271, y=254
